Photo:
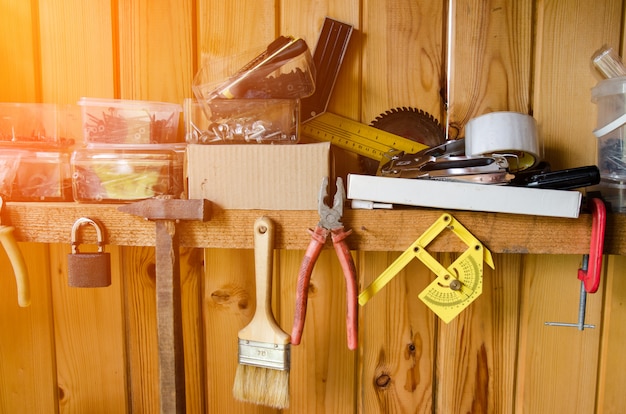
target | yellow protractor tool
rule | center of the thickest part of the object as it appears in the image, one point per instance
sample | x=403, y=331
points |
x=455, y=287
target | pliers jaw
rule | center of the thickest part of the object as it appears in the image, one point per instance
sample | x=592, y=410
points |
x=330, y=223
x=330, y=217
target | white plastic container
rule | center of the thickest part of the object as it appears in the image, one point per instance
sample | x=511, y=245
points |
x=610, y=96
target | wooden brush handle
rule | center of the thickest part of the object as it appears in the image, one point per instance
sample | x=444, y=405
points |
x=263, y=327
x=263, y=264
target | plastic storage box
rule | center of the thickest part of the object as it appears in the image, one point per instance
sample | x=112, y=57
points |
x=36, y=125
x=119, y=121
x=123, y=175
x=242, y=121
x=284, y=70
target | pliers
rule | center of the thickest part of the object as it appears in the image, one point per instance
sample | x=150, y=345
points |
x=330, y=222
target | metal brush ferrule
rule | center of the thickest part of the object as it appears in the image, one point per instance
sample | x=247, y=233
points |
x=264, y=355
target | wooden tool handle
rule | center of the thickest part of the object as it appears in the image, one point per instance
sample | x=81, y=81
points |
x=18, y=263
x=263, y=327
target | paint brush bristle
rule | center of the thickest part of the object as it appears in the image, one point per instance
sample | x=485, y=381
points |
x=263, y=386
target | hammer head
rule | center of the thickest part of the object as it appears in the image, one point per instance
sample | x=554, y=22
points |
x=169, y=209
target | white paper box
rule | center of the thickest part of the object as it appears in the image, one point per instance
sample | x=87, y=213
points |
x=465, y=196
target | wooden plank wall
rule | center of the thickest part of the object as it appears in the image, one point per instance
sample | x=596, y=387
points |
x=77, y=351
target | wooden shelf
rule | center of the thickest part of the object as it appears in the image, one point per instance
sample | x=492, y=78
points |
x=373, y=230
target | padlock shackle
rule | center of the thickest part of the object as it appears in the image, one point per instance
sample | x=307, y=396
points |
x=74, y=235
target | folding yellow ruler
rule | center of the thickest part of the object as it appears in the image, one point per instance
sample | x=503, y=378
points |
x=454, y=288
x=357, y=137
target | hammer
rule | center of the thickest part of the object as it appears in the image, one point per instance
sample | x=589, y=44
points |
x=166, y=213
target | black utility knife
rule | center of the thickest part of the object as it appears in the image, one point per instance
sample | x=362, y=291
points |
x=564, y=179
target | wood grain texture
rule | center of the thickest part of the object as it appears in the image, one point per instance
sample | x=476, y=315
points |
x=322, y=367
x=228, y=305
x=154, y=50
x=489, y=60
x=88, y=340
x=378, y=230
x=95, y=350
x=402, y=56
x=476, y=361
x=77, y=54
x=610, y=397
x=156, y=45
x=556, y=363
x=21, y=71
x=566, y=119
x=230, y=29
x=398, y=340
x=562, y=64
x=305, y=19
x=28, y=380
x=140, y=317
x=77, y=59
x=489, y=57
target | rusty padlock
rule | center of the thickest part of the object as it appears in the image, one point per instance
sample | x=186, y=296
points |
x=88, y=270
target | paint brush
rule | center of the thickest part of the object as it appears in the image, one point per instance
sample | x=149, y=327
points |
x=264, y=348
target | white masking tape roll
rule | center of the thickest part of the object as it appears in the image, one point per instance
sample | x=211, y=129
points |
x=504, y=133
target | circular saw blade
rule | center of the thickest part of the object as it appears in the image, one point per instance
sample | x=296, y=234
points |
x=411, y=123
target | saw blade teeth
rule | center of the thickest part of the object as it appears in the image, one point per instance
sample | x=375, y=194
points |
x=398, y=111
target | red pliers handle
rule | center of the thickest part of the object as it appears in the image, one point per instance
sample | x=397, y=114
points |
x=318, y=238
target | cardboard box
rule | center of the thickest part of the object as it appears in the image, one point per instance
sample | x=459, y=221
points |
x=268, y=177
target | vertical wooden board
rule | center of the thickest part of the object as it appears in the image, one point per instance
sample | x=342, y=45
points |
x=20, y=72
x=227, y=28
x=228, y=305
x=489, y=69
x=77, y=58
x=192, y=275
x=305, y=19
x=323, y=369
x=77, y=55
x=140, y=314
x=397, y=340
x=27, y=360
x=89, y=339
x=402, y=56
x=488, y=58
x=568, y=33
x=402, y=51
x=156, y=54
x=611, y=374
x=557, y=365
x=155, y=41
x=477, y=351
